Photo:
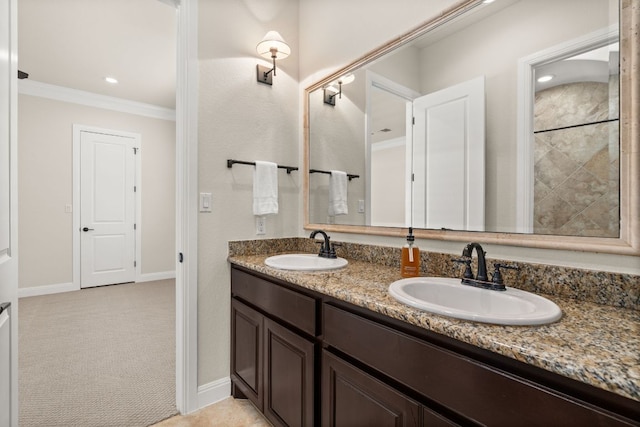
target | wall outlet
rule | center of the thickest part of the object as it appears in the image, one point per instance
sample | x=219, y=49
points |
x=261, y=225
x=360, y=206
x=68, y=208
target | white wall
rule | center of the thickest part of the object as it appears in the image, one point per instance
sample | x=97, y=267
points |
x=388, y=183
x=240, y=119
x=45, y=187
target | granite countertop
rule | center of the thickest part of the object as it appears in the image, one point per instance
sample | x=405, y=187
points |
x=595, y=344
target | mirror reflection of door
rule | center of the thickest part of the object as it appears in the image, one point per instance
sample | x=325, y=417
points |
x=408, y=157
x=449, y=158
x=576, y=148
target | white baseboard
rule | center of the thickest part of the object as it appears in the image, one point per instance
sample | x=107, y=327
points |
x=214, y=392
x=163, y=275
x=68, y=287
x=46, y=290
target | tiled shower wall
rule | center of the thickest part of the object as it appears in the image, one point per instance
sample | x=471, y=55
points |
x=577, y=169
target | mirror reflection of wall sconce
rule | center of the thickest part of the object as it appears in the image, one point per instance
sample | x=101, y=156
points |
x=271, y=47
x=330, y=92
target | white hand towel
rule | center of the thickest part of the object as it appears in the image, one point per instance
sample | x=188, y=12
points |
x=338, y=193
x=265, y=188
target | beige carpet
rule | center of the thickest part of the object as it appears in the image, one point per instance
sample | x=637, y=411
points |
x=99, y=357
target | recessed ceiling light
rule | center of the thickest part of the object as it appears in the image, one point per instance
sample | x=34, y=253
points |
x=488, y=1
x=546, y=78
x=111, y=80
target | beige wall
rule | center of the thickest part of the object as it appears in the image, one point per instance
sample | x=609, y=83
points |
x=244, y=120
x=45, y=187
x=240, y=119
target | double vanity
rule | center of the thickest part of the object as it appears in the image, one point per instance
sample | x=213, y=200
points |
x=336, y=348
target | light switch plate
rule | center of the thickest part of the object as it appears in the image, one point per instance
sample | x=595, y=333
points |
x=205, y=202
x=360, y=206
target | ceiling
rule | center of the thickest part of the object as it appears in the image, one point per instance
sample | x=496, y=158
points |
x=77, y=43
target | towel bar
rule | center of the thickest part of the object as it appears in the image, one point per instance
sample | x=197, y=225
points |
x=231, y=162
x=349, y=175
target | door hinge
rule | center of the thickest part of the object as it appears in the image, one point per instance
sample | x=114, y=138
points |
x=413, y=120
x=135, y=150
x=180, y=257
x=135, y=188
x=413, y=177
x=134, y=264
x=135, y=226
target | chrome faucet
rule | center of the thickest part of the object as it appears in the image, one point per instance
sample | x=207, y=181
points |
x=326, y=250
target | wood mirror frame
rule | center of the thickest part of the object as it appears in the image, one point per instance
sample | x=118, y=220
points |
x=629, y=241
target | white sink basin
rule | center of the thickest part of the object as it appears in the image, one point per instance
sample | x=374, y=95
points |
x=448, y=297
x=305, y=262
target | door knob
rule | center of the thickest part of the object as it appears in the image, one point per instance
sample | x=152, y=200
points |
x=85, y=229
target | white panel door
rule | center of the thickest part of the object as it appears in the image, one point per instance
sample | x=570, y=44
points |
x=448, y=158
x=107, y=209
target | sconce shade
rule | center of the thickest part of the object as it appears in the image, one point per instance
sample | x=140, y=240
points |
x=273, y=40
x=330, y=92
x=346, y=79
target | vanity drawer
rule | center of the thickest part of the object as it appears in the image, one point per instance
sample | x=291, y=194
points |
x=464, y=386
x=292, y=307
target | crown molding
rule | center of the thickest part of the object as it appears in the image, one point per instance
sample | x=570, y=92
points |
x=90, y=99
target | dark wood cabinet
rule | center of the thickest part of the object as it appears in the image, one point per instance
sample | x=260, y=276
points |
x=472, y=391
x=306, y=359
x=289, y=364
x=352, y=398
x=246, y=356
x=273, y=361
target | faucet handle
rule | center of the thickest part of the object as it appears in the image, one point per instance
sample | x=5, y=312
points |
x=322, y=250
x=468, y=274
x=332, y=250
x=497, y=275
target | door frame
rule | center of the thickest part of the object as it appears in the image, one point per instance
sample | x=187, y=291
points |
x=76, y=197
x=186, y=208
x=9, y=257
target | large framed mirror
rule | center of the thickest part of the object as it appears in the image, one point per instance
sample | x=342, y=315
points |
x=511, y=122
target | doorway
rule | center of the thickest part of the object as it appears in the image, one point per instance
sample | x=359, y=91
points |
x=169, y=192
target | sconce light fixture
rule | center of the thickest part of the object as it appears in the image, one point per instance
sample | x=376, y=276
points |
x=271, y=47
x=330, y=92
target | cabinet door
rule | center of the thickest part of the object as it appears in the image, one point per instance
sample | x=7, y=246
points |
x=246, y=351
x=289, y=377
x=353, y=398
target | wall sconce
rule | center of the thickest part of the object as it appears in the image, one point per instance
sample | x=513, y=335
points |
x=271, y=47
x=330, y=92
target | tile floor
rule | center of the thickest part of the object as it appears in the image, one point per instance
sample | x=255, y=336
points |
x=226, y=413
